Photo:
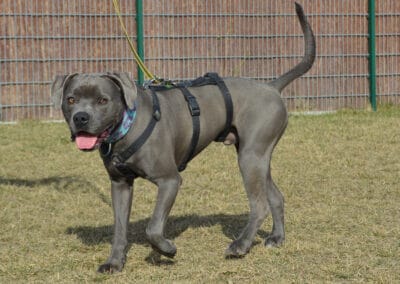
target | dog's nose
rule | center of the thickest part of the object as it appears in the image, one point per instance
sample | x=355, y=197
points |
x=81, y=119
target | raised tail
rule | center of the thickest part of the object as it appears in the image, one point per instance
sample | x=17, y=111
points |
x=309, y=54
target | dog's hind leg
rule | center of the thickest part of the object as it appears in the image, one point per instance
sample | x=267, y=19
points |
x=263, y=196
x=167, y=191
x=254, y=163
x=276, y=204
x=253, y=168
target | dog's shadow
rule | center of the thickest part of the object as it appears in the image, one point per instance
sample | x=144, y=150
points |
x=231, y=226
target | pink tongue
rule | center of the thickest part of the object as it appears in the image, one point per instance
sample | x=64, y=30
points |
x=86, y=142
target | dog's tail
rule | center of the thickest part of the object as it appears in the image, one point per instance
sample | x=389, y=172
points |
x=309, y=54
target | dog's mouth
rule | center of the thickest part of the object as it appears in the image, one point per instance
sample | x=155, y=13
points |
x=87, y=142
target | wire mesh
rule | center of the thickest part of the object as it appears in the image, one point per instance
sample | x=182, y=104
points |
x=39, y=39
x=388, y=51
x=258, y=39
x=262, y=39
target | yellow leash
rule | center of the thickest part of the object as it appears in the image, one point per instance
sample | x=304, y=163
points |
x=139, y=61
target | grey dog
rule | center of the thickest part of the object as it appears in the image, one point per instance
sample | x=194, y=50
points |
x=94, y=104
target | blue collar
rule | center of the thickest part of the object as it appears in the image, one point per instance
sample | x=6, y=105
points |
x=123, y=128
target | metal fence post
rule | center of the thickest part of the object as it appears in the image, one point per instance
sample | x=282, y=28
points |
x=372, y=53
x=140, y=37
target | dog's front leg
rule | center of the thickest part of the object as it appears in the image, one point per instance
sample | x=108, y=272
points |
x=167, y=191
x=122, y=192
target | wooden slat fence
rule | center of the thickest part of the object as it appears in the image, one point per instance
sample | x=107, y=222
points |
x=257, y=39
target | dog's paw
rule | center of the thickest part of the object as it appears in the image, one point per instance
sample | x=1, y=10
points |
x=110, y=268
x=274, y=241
x=237, y=249
x=163, y=246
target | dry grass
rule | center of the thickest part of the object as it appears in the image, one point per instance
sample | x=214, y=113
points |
x=339, y=173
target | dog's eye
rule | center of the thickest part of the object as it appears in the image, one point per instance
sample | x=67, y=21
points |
x=70, y=100
x=103, y=101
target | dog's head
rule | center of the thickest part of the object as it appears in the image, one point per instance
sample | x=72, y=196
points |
x=93, y=104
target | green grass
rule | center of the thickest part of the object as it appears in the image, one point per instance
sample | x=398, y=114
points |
x=339, y=173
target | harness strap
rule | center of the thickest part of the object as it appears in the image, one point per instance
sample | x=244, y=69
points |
x=135, y=146
x=209, y=78
x=228, y=104
x=195, y=112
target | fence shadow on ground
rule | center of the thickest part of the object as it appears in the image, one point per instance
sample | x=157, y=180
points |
x=56, y=181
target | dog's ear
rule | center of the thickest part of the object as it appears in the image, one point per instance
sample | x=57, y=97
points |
x=127, y=86
x=57, y=88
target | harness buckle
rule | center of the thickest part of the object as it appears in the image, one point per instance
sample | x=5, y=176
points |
x=193, y=106
x=122, y=167
x=157, y=115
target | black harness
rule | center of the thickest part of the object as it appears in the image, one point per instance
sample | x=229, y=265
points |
x=208, y=79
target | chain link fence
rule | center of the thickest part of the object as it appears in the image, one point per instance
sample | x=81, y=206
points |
x=258, y=39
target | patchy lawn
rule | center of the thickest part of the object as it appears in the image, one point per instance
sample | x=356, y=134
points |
x=339, y=173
